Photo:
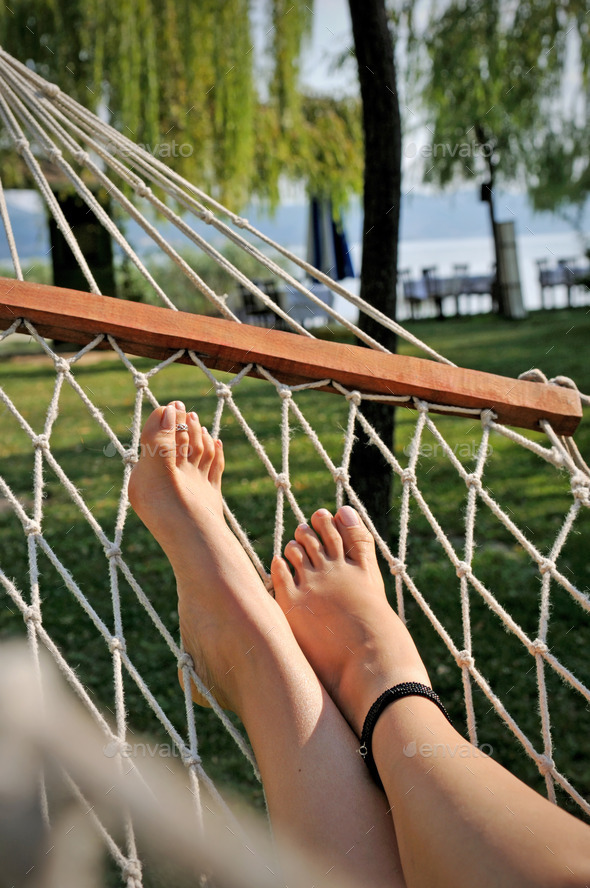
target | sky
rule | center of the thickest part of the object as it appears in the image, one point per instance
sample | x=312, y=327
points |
x=331, y=37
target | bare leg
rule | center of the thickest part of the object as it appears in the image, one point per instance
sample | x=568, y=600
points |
x=315, y=782
x=460, y=820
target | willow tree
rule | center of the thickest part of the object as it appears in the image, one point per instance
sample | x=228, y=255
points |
x=496, y=101
x=169, y=73
x=184, y=72
x=177, y=76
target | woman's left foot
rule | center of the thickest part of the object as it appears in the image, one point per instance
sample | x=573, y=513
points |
x=336, y=605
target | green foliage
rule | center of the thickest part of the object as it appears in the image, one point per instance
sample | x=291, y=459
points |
x=497, y=70
x=291, y=22
x=179, y=77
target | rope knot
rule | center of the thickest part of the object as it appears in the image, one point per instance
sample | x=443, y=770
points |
x=240, y=221
x=581, y=487
x=462, y=569
x=207, y=217
x=116, y=644
x=141, y=381
x=130, y=457
x=223, y=391
x=397, y=567
x=473, y=481
x=32, y=615
x=61, y=365
x=282, y=482
x=185, y=660
x=421, y=406
x=545, y=764
x=112, y=550
x=465, y=660
x=142, y=190
x=538, y=647
x=285, y=393
x=355, y=397
x=131, y=872
x=487, y=417
x=21, y=145
x=546, y=565
x=82, y=157
x=51, y=90
x=41, y=442
x=54, y=154
x=408, y=477
x=340, y=475
x=32, y=529
x=189, y=759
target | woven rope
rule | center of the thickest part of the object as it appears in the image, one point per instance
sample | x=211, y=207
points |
x=33, y=109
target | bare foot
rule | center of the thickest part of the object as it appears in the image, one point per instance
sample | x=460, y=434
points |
x=224, y=609
x=338, y=611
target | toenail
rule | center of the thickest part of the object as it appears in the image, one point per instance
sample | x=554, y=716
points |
x=168, y=417
x=192, y=414
x=303, y=527
x=348, y=516
x=179, y=405
x=323, y=513
x=204, y=430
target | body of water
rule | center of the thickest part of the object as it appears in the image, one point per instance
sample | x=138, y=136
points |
x=425, y=215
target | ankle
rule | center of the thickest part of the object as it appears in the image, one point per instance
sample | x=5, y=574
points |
x=379, y=666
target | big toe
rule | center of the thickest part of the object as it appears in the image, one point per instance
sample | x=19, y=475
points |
x=153, y=425
x=358, y=542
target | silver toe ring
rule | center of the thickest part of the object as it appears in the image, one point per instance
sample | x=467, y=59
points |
x=181, y=427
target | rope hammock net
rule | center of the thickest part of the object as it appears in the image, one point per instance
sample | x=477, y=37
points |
x=467, y=553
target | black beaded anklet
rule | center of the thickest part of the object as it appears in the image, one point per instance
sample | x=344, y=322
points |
x=406, y=689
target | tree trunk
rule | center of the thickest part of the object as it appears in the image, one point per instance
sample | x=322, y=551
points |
x=95, y=243
x=499, y=289
x=370, y=474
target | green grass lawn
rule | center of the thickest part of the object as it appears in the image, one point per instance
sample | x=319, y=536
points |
x=537, y=495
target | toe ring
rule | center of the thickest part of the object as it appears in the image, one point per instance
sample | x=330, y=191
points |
x=181, y=427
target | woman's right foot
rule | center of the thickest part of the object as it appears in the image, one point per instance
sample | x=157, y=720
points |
x=336, y=605
x=226, y=614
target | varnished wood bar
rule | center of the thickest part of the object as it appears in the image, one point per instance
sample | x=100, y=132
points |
x=154, y=332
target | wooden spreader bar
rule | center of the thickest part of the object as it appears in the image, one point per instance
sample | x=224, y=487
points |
x=154, y=332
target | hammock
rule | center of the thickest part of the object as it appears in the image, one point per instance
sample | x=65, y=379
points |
x=295, y=370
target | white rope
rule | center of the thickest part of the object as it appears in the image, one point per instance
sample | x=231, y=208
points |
x=47, y=114
x=48, y=99
x=10, y=235
x=476, y=496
